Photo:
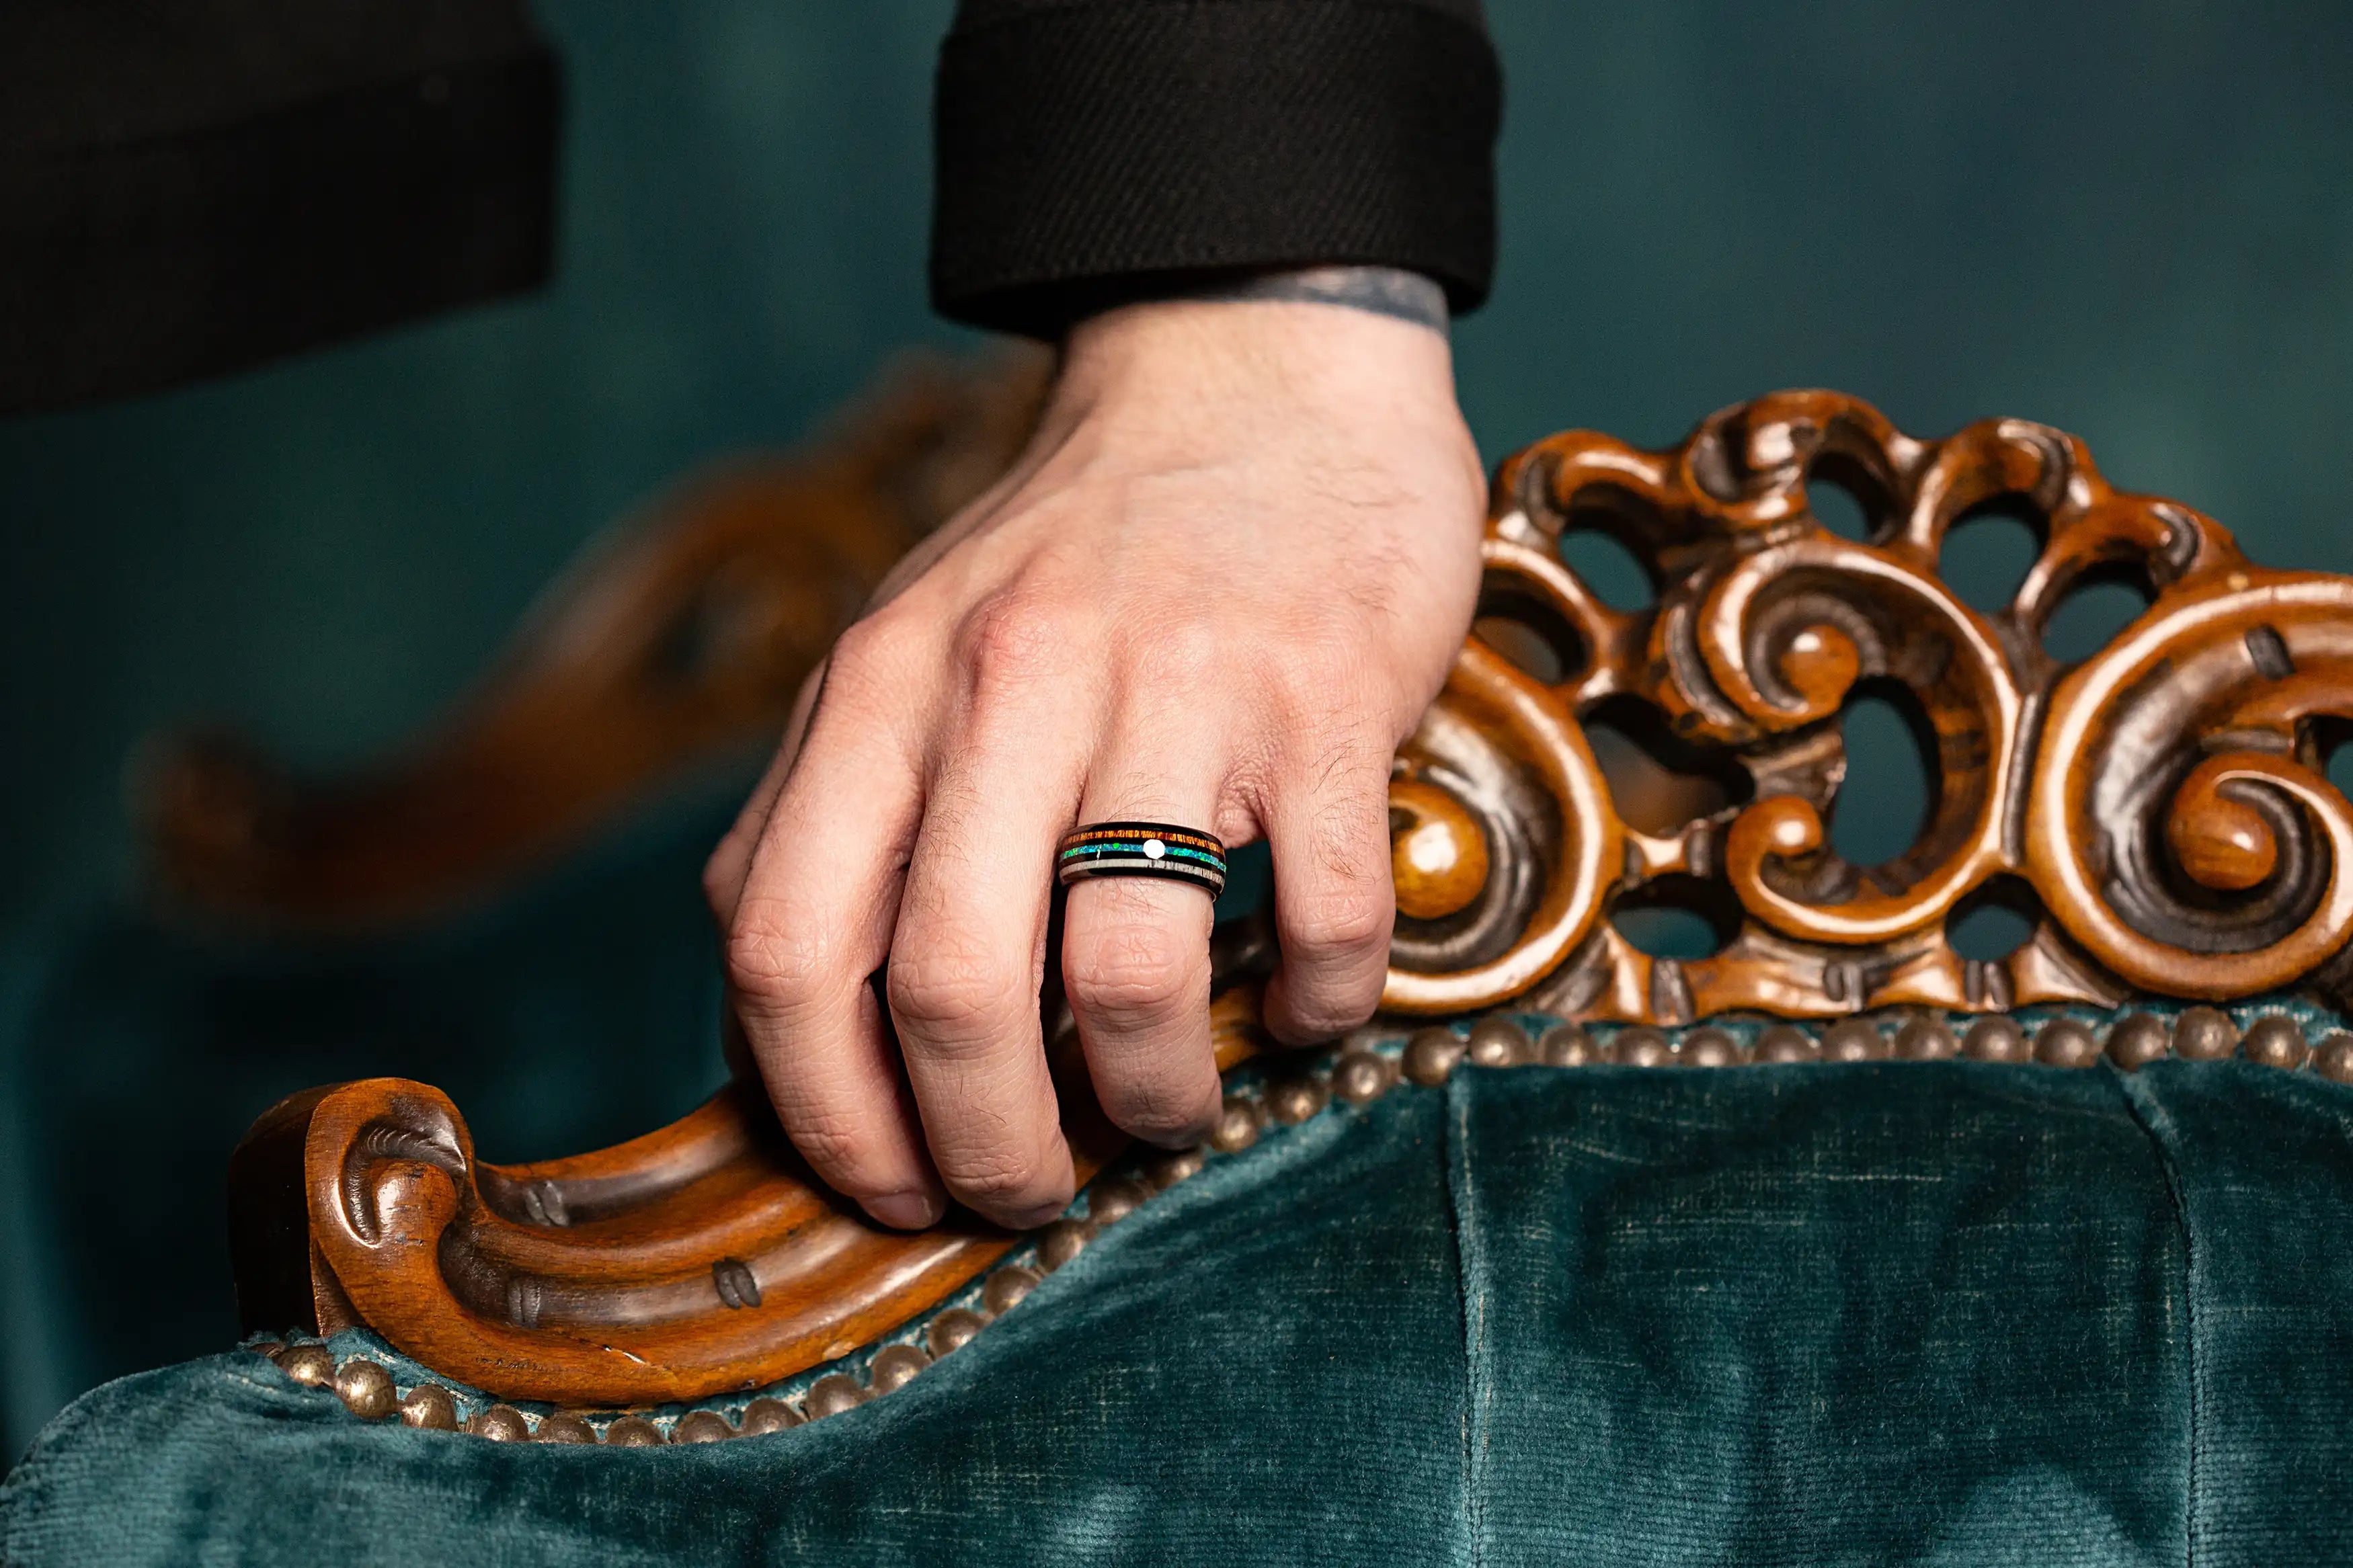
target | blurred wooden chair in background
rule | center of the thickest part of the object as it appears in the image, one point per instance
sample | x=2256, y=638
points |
x=674, y=644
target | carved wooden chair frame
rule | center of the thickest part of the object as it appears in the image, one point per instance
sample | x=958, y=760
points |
x=2161, y=807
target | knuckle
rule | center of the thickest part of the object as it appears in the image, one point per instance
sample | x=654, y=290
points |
x=1135, y=971
x=875, y=663
x=1347, y=921
x=1327, y=698
x=1012, y=640
x=951, y=993
x=774, y=961
x=1302, y=686
x=859, y=653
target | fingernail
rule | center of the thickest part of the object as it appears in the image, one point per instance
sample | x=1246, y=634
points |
x=905, y=1211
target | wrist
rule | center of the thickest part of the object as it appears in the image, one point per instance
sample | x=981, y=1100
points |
x=1281, y=332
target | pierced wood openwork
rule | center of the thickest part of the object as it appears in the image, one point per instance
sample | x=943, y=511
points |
x=2164, y=802
x=2162, y=808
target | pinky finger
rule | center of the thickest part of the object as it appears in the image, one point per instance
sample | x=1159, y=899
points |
x=1333, y=907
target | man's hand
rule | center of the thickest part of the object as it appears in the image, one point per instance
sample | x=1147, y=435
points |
x=1218, y=590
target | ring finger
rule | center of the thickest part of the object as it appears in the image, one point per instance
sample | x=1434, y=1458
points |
x=1135, y=955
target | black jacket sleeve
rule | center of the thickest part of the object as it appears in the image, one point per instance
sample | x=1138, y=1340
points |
x=1093, y=151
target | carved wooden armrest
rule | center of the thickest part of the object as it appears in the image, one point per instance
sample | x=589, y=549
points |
x=701, y=1258
x=2161, y=807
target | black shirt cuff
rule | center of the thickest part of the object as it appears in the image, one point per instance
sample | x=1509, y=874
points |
x=1094, y=151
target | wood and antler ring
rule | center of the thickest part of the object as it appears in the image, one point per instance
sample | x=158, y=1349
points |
x=2164, y=802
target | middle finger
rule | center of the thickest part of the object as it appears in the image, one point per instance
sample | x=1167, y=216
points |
x=966, y=963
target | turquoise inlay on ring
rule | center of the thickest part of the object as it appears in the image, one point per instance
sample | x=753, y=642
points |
x=1142, y=850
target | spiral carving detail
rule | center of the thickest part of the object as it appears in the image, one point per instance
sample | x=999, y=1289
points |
x=2162, y=807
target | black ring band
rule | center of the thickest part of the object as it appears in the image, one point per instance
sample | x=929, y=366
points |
x=1143, y=849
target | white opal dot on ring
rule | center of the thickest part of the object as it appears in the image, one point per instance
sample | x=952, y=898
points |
x=1154, y=849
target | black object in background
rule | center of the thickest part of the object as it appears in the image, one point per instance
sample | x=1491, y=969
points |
x=191, y=189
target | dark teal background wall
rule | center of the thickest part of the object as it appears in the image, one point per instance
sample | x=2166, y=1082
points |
x=2133, y=221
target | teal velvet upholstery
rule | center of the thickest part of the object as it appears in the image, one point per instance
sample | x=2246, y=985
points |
x=1882, y=1313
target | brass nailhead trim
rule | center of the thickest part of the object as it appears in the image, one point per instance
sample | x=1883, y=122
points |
x=1359, y=1075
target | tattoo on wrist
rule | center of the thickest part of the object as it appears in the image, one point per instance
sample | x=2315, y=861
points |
x=1383, y=290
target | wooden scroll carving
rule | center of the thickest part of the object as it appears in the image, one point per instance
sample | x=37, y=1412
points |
x=2163, y=802
x=676, y=645
x=701, y=1258
x=2161, y=805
